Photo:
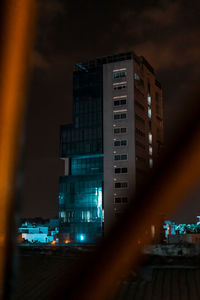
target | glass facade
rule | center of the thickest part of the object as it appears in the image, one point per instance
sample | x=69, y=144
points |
x=81, y=191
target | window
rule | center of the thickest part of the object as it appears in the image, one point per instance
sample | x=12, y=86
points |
x=117, y=200
x=117, y=170
x=149, y=112
x=151, y=163
x=121, y=200
x=123, y=102
x=121, y=185
x=120, y=157
x=121, y=170
x=149, y=99
x=117, y=157
x=123, y=130
x=150, y=150
x=124, y=170
x=119, y=116
x=150, y=126
x=136, y=76
x=119, y=74
x=124, y=157
x=117, y=143
x=124, y=200
x=117, y=130
x=120, y=86
x=123, y=143
x=116, y=103
x=120, y=102
x=150, y=138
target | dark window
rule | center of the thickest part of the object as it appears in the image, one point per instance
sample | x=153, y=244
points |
x=117, y=185
x=123, y=116
x=116, y=117
x=117, y=200
x=117, y=143
x=124, y=157
x=116, y=103
x=117, y=170
x=117, y=157
x=124, y=170
x=117, y=130
x=124, y=199
x=123, y=102
x=124, y=184
x=123, y=143
x=139, y=132
x=123, y=130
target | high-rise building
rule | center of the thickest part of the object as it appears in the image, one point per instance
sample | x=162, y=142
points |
x=115, y=138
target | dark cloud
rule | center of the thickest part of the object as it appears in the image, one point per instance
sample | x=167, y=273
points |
x=165, y=32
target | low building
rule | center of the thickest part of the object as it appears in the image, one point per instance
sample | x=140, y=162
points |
x=37, y=233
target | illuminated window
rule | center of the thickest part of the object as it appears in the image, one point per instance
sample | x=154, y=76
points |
x=136, y=76
x=149, y=112
x=150, y=138
x=151, y=163
x=149, y=99
x=150, y=150
x=119, y=74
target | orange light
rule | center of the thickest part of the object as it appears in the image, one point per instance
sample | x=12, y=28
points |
x=53, y=242
x=67, y=241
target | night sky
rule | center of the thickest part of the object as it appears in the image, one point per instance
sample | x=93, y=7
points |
x=165, y=32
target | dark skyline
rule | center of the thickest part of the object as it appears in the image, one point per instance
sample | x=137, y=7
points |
x=165, y=32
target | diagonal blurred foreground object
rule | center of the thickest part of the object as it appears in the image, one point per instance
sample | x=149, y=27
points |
x=165, y=189
x=16, y=36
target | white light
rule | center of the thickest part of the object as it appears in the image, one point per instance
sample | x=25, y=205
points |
x=119, y=97
x=149, y=112
x=150, y=138
x=121, y=110
x=115, y=166
x=118, y=70
x=114, y=125
x=114, y=152
x=119, y=83
x=149, y=99
x=115, y=179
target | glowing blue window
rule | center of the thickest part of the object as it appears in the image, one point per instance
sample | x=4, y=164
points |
x=149, y=99
x=82, y=237
x=151, y=163
x=149, y=112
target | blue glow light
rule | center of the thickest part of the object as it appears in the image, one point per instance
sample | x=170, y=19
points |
x=82, y=237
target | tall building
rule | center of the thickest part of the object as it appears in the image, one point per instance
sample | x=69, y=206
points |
x=115, y=138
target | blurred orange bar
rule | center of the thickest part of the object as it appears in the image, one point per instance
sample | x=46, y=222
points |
x=17, y=37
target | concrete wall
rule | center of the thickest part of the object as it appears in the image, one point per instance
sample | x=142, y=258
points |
x=111, y=209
